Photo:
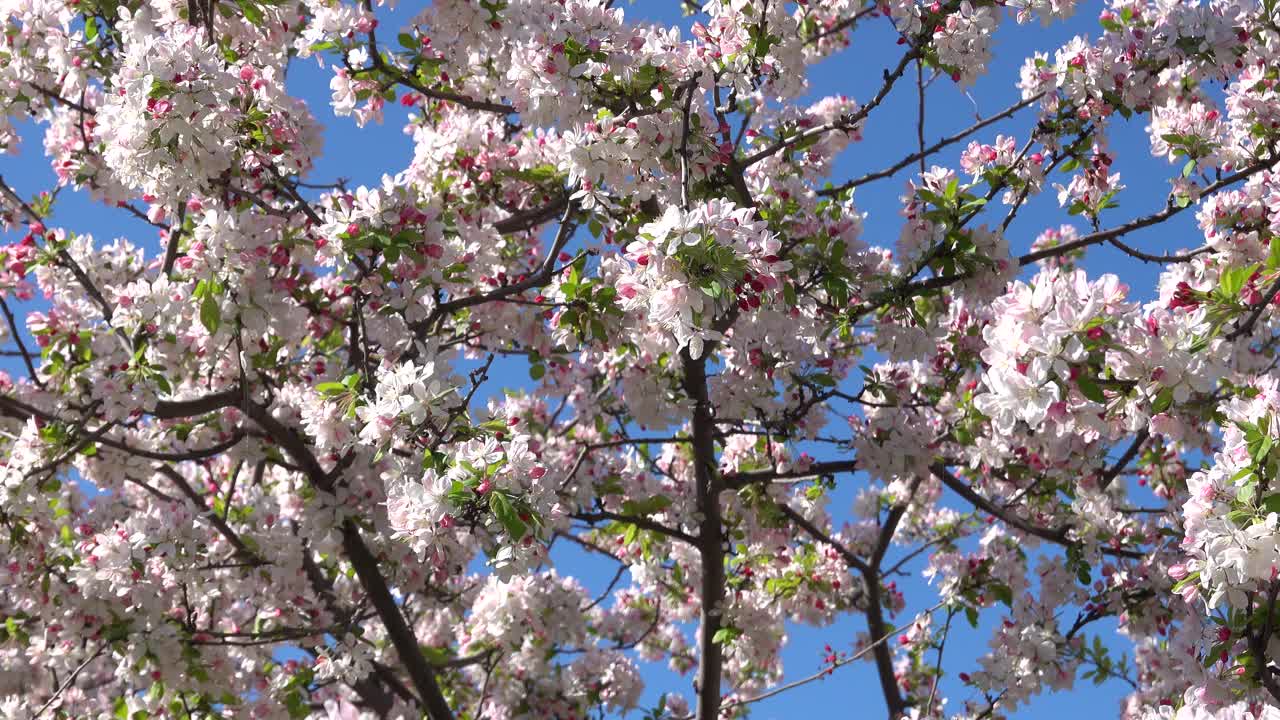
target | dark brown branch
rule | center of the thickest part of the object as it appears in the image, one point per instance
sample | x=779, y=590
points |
x=22, y=347
x=173, y=241
x=941, y=281
x=402, y=636
x=1259, y=642
x=920, y=118
x=1110, y=475
x=1256, y=312
x=846, y=122
x=362, y=560
x=184, y=456
x=1146, y=221
x=71, y=678
x=1166, y=258
x=949, y=140
x=711, y=542
x=376, y=696
x=876, y=625
x=400, y=77
x=937, y=668
x=225, y=530
x=640, y=522
x=870, y=570
x=817, y=533
x=1053, y=535
x=684, y=142
x=532, y=217
x=176, y=409
x=736, y=481
x=538, y=279
x=78, y=107
x=843, y=25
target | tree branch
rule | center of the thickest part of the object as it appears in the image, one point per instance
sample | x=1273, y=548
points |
x=845, y=122
x=944, y=142
x=1153, y=219
x=739, y=480
x=711, y=542
x=1055, y=535
x=538, y=279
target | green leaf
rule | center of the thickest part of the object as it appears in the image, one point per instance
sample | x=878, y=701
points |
x=252, y=12
x=1189, y=168
x=726, y=635
x=537, y=371
x=822, y=379
x=1271, y=504
x=541, y=173
x=1090, y=389
x=459, y=493
x=1002, y=592
x=154, y=693
x=648, y=506
x=436, y=655
x=506, y=514
x=210, y=313
x=406, y=41
x=1162, y=401
x=1240, y=517
x=1263, y=449
x=1245, y=493
x=1232, y=281
x=296, y=706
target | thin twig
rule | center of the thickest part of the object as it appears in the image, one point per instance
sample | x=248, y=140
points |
x=70, y=679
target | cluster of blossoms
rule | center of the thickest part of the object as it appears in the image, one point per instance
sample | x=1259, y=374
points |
x=1230, y=517
x=526, y=618
x=176, y=121
x=687, y=268
x=408, y=396
x=491, y=482
x=1040, y=333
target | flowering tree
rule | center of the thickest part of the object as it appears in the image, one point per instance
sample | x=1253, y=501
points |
x=261, y=469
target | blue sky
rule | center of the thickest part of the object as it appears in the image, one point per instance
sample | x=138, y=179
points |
x=363, y=155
